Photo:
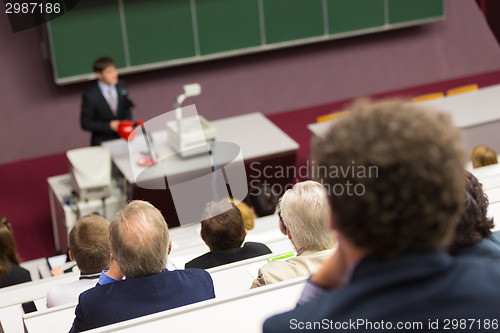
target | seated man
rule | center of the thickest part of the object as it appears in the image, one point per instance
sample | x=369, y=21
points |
x=224, y=233
x=394, y=173
x=304, y=214
x=89, y=246
x=139, y=242
x=473, y=234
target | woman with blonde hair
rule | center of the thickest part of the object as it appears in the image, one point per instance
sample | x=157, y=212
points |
x=10, y=271
x=483, y=156
x=246, y=214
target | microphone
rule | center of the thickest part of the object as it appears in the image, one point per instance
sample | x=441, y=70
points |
x=124, y=92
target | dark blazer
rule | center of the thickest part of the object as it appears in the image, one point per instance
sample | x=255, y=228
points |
x=132, y=298
x=217, y=258
x=16, y=275
x=96, y=113
x=486, y=248
x=418, y=288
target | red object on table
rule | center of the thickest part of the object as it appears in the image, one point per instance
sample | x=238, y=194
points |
x=125, y=128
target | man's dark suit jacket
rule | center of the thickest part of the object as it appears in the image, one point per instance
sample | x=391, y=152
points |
x=132, y=298
x=16, y=275
x=418, y=288
x=217, y=258
x=486, y=248
x=96, y=113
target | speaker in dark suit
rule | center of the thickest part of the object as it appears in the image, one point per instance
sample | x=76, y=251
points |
x=105, y=104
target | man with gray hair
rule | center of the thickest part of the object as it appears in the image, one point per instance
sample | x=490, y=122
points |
x=303, y=216
x=139, y=241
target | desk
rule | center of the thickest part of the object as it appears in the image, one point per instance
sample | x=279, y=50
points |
x=53, y=320
x=245, y=312
x=12, y=297
x=64, y=215
x=470, y=109
x=476, y=113
x=261, y=144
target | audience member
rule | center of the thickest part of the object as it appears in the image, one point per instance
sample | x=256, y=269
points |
x=303, y=216
x=89, y=247
x=223, y=230
x=390, y=271
x=139, y=242
x=246, y=213
x=473, y=232
x=262, y=199
x=10, y=271
x=483, y=156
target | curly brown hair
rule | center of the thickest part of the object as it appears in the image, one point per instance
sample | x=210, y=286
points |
x=413, y=201
x=473, y=225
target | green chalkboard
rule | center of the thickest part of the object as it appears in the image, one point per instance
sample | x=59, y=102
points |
x=287, y=20
x=352, y=15
x=409, y=10
x=84, y=34
x=225, y=25
x=149, y=34
x=159, y=30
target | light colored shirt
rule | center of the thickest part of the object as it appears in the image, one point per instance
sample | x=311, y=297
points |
x=69, y=292
x=105, y=92
x=105, y=279
x=306, y=263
